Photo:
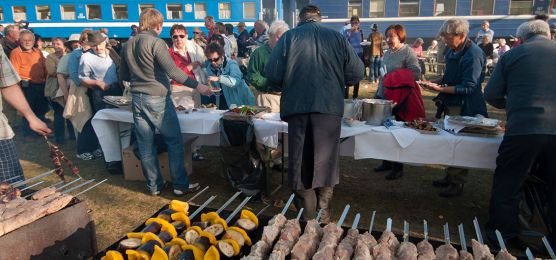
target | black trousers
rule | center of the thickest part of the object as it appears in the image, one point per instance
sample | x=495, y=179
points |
x=516, y=157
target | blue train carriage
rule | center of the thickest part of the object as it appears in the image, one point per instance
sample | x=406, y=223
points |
x=62, y=18
x=423, y=18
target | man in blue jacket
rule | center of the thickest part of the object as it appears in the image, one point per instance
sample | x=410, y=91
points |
x=312, y=64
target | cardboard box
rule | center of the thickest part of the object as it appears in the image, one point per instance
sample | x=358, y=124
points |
x=134, y=172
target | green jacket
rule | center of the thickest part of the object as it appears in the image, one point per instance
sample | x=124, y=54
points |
x=255, y=72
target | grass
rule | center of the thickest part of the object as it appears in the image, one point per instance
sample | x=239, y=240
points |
x=118, y=206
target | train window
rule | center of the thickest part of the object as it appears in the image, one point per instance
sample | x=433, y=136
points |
x=249, y=10
x=521, y=7
x=142, y=7
x=173, y=11
x=1, y=14
x=119, y=11
x=224, y=10
x=377, y=8
x=43, y=12
x=20, y=13
x=68, y=12
x=355, y=7
x=200, y=10
x=93, y=12
x=482, y=7
x=408, y=8
x=445, y=8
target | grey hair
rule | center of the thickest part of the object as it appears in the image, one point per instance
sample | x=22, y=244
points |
x=278, y=26
x=532, y=28
x=263, y=23
x=485, y=22
x=454, y=26
x=8, y=29
x=25, y=31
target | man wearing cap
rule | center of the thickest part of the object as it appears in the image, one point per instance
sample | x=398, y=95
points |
x=242, y=39
x=147, y=65
x=73, y=42
x=10, y=169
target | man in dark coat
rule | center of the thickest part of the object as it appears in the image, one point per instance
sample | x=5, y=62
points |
x=312, y=64
x=523, y=83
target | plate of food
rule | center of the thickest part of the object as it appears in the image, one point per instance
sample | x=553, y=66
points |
x=206, y=108
x=478, y=121
x=422, y=126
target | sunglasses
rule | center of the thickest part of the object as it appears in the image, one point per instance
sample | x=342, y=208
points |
x=215, y=59
x=176, y=36
x=196, y=32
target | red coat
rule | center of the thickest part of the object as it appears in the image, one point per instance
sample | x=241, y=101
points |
x=400, y=87
x=182, y=63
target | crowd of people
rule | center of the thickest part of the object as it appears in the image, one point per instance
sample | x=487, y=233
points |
x=292, y=72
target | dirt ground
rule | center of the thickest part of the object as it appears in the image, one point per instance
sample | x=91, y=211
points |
x=118, y=206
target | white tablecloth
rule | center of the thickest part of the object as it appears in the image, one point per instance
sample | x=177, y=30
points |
x=369, y=142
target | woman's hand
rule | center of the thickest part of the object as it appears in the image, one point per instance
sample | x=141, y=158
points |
x=213, y=78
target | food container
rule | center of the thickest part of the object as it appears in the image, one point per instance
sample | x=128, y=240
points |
x=352, y=109
x=375, y=111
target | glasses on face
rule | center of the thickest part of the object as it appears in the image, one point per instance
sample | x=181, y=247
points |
x=213, y=60
x=196, y=32
x=178, y=35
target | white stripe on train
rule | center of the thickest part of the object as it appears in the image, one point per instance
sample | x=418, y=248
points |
x=120, y=24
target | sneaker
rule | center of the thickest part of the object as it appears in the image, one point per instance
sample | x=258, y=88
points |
x=98, y=153
x=85, y=156
x=198, y=157
x=453, y=190
x=192, y=188
x=155, y=193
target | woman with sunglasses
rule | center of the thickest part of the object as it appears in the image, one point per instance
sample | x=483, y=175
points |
x=224, y=73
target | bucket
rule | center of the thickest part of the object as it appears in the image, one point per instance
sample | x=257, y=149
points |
x=352, y=109
x=375, y=111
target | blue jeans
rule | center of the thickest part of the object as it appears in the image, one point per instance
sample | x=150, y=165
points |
x=152, y=113
x=376, y=63
x=34, y=94
x=60, y=124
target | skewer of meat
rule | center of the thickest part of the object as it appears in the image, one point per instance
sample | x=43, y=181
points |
x=424, y=248
x=387, y=244
x=346, y=247
x=261, y=249
x=365, y=242
x=308, y=243
x=480, y=250
x=331, y=237
x=288, y=237
x=503, y=254
x=447, y=251
x=463, y=254
x=406, y=250
x=548, y=248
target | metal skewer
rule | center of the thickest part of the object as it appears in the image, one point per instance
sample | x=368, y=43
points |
x=198, y=194
x=262, y=210
x=500, y=240
x=19, y=183
x=237, y=209
x=372, y=221
x=300, y=213
x=98, y=183
x=405, y=231
x=319, y=215
x=228, y=202
x=389, y=224
x=53, y=185
x=12, y=178
x=529, y=254
x=343, y=216
x=68, y=184
x=356, y=221
x=31, y=186
x=285, y=209
x=478, y=231
x=447, y=234
x=78, y=186
x=200, y=208
x=548, y=248
x=426, y=230
x=462, y=238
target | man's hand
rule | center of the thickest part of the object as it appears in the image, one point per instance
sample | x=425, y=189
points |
x=103, y=86
x=38, y=126
x=213, y=79
x=204, y=89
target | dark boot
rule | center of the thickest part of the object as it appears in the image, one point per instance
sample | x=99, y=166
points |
x=385, y=166
x=453, y=190
x=442, y=183
x=396, y=172
x=324, y=200
x=307, y=200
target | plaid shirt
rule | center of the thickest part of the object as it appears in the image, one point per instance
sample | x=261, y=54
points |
x=8, y=77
